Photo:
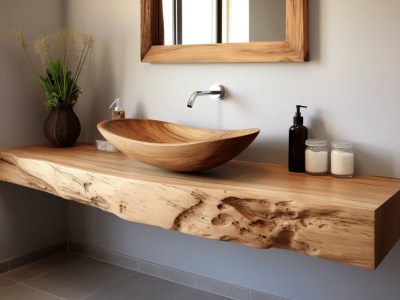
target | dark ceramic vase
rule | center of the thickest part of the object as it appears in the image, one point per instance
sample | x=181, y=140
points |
x=62, y=127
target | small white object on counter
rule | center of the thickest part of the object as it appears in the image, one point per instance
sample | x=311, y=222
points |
x=106, y=146
x=316, y=157
x=342, y=159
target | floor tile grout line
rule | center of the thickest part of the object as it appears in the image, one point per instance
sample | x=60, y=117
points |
x=90, y=254
x=196, y=277
x=81, y=257
x=174, y=270
x=56, y=268
x=153, y=264
x=169, y=280
x=33, y=262
x=26, y=284
x=139, y=272
x=107, y=287
x=1, y=291
x=15, y=282
x=180, y=283
x=164, y=278
x=113, y=263
x=9, y=261
x=138, y=268
x=155, y=276
x=39, y=290
x=20, y=283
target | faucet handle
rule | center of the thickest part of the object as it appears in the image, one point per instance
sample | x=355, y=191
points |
x=217, y=91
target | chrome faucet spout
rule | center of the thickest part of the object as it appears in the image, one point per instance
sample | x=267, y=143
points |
x=216, y=92
x=192, y=98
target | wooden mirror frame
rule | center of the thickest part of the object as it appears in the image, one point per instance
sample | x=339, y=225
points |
x=295, y=48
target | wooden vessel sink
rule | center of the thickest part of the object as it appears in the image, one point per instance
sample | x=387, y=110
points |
x=175, y=147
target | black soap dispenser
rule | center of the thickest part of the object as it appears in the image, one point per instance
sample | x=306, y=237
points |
x=298, y=135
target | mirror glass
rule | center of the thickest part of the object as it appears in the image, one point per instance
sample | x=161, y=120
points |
x=189, y=22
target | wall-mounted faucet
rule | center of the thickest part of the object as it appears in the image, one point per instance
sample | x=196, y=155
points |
x=217, y=91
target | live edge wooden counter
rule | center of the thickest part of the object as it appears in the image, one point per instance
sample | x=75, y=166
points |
x=356, y=221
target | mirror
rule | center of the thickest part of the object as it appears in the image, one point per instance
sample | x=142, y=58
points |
x=207, y=31
x=188, y=22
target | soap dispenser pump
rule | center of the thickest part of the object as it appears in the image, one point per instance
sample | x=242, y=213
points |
x=298, y=135
x=119, y=111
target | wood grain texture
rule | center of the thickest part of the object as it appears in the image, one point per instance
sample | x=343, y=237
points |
x=294, y=48
x=355, y=221
x=176, y=147
x=150, y=27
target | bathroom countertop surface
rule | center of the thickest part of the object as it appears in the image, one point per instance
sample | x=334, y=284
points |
x=356, y=220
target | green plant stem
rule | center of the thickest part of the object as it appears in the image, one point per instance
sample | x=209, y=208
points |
x=56, y=82
x=44, y=67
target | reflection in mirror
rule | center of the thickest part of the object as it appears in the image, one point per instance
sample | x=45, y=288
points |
x=223, y=21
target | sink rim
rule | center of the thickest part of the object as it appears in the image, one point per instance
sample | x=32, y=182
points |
x=237, y=132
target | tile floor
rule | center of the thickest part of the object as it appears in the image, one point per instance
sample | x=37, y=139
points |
x=70, y=276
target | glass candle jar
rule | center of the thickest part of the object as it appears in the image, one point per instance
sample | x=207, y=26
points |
x=342, y=159
x=316, y=157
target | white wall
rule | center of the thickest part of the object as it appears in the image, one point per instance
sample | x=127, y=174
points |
x=29, y=220
x=352, y=89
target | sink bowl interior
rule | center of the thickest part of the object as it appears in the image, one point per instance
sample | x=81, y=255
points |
x=175, y=147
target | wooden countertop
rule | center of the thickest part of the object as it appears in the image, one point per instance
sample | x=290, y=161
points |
x=356, y=221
